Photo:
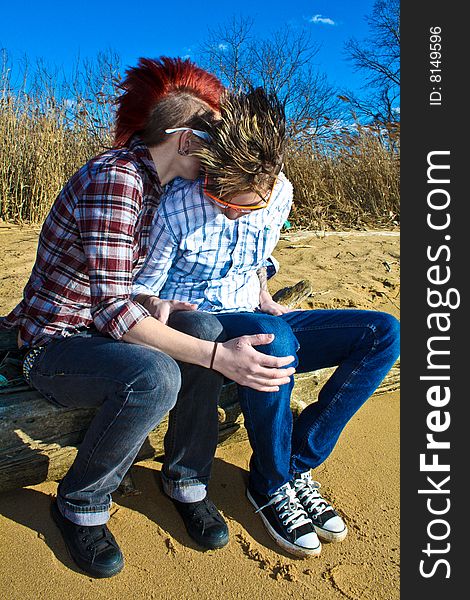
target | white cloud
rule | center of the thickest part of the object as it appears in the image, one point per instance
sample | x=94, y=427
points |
x=318, y=19
x=223, y=46
x=70, y=103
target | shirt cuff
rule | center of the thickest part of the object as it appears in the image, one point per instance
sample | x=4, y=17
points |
x=137, y=290
x=118, y=319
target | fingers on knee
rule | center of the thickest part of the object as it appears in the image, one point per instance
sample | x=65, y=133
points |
x=285, y=343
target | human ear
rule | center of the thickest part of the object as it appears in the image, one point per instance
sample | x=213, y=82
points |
x=185, y=143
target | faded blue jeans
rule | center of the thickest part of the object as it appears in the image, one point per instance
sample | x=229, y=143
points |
x=134, y=387
x=362, y=344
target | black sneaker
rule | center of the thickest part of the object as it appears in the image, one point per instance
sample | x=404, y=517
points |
x=203, y=522
x=327, y=522
x=286, y=521
x=93, y=548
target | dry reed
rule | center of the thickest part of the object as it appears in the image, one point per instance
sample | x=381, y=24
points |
x=49, y=127
x=47, y=131
x=351, y=181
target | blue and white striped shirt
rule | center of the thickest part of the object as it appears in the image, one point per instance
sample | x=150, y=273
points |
x=198, y=255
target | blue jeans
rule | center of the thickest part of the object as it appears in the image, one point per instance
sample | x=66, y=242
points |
x=134, y=387
x=362, y=344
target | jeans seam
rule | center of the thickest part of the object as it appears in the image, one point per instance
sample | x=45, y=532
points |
x=253, y=433
x=321, y=327
x=170, y=431
x=129, y=391
x=87, y=510
x=78, y=374
x=102, y=435
x=181, y=484
x=338, y=394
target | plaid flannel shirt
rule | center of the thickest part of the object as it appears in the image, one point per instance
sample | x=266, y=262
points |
x=91, y=245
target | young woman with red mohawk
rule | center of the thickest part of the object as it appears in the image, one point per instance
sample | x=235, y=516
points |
x=87, y=343
x=156, y=92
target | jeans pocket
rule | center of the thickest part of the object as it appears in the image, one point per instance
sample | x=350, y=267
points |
x=50, y=385
x=39, y=385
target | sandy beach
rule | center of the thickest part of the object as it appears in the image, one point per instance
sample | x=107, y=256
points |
x=361, y=477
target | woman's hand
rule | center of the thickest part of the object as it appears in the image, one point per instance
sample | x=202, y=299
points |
x=238, y=360
x=162, y=309
x=269, y=306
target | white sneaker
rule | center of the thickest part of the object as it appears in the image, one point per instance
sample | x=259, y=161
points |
x=327, y=522
x=286, y=521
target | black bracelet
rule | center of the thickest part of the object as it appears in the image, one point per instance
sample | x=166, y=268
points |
x=214, y=350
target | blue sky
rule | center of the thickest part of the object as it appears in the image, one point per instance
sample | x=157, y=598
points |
x=59, y=32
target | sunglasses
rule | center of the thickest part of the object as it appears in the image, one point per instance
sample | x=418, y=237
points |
x=200, y=134
x=244, y=209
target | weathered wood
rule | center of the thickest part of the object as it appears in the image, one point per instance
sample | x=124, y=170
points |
x=39, y=440
x=294, y=295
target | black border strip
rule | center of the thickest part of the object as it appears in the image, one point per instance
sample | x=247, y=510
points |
x=434, y=234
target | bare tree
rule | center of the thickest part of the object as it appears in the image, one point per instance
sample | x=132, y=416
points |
x=378, y=57
x=226, y=53
x=284, y=64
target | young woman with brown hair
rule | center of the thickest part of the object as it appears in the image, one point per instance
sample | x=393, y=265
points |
x=88, y=343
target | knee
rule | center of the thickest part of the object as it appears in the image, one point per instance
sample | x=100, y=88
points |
x=387, y=329
x=203, y=326
x=157, y=381
x=284, y=343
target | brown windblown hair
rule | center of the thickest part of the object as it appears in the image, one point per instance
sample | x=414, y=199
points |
x=247, y=143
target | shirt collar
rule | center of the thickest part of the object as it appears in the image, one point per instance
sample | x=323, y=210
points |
x=142, y=153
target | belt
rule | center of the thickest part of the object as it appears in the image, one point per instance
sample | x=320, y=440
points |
x=30, y=358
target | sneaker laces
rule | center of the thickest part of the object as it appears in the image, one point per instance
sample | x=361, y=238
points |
x=207, y=513
x=308, y=493
x=98, y=537
x=286, y=503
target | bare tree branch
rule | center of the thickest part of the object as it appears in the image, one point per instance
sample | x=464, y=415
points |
x=378, y=57
x=284, y=64
x=226, y=52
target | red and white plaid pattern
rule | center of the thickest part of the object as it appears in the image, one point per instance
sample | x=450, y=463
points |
x=92, y=243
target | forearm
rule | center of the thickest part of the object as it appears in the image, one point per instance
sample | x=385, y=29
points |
x=263, y=278
x=236, y=359
x=180, y=346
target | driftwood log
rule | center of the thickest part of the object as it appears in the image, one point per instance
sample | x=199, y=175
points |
x=39, y=440
x=294, y=295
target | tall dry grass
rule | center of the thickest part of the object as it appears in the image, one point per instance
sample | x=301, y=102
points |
x=50, y=125
x=353, y=180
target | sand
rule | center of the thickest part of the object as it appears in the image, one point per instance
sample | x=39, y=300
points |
x=361, y=477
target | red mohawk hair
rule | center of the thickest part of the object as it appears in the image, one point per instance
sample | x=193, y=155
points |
x=152, y=81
